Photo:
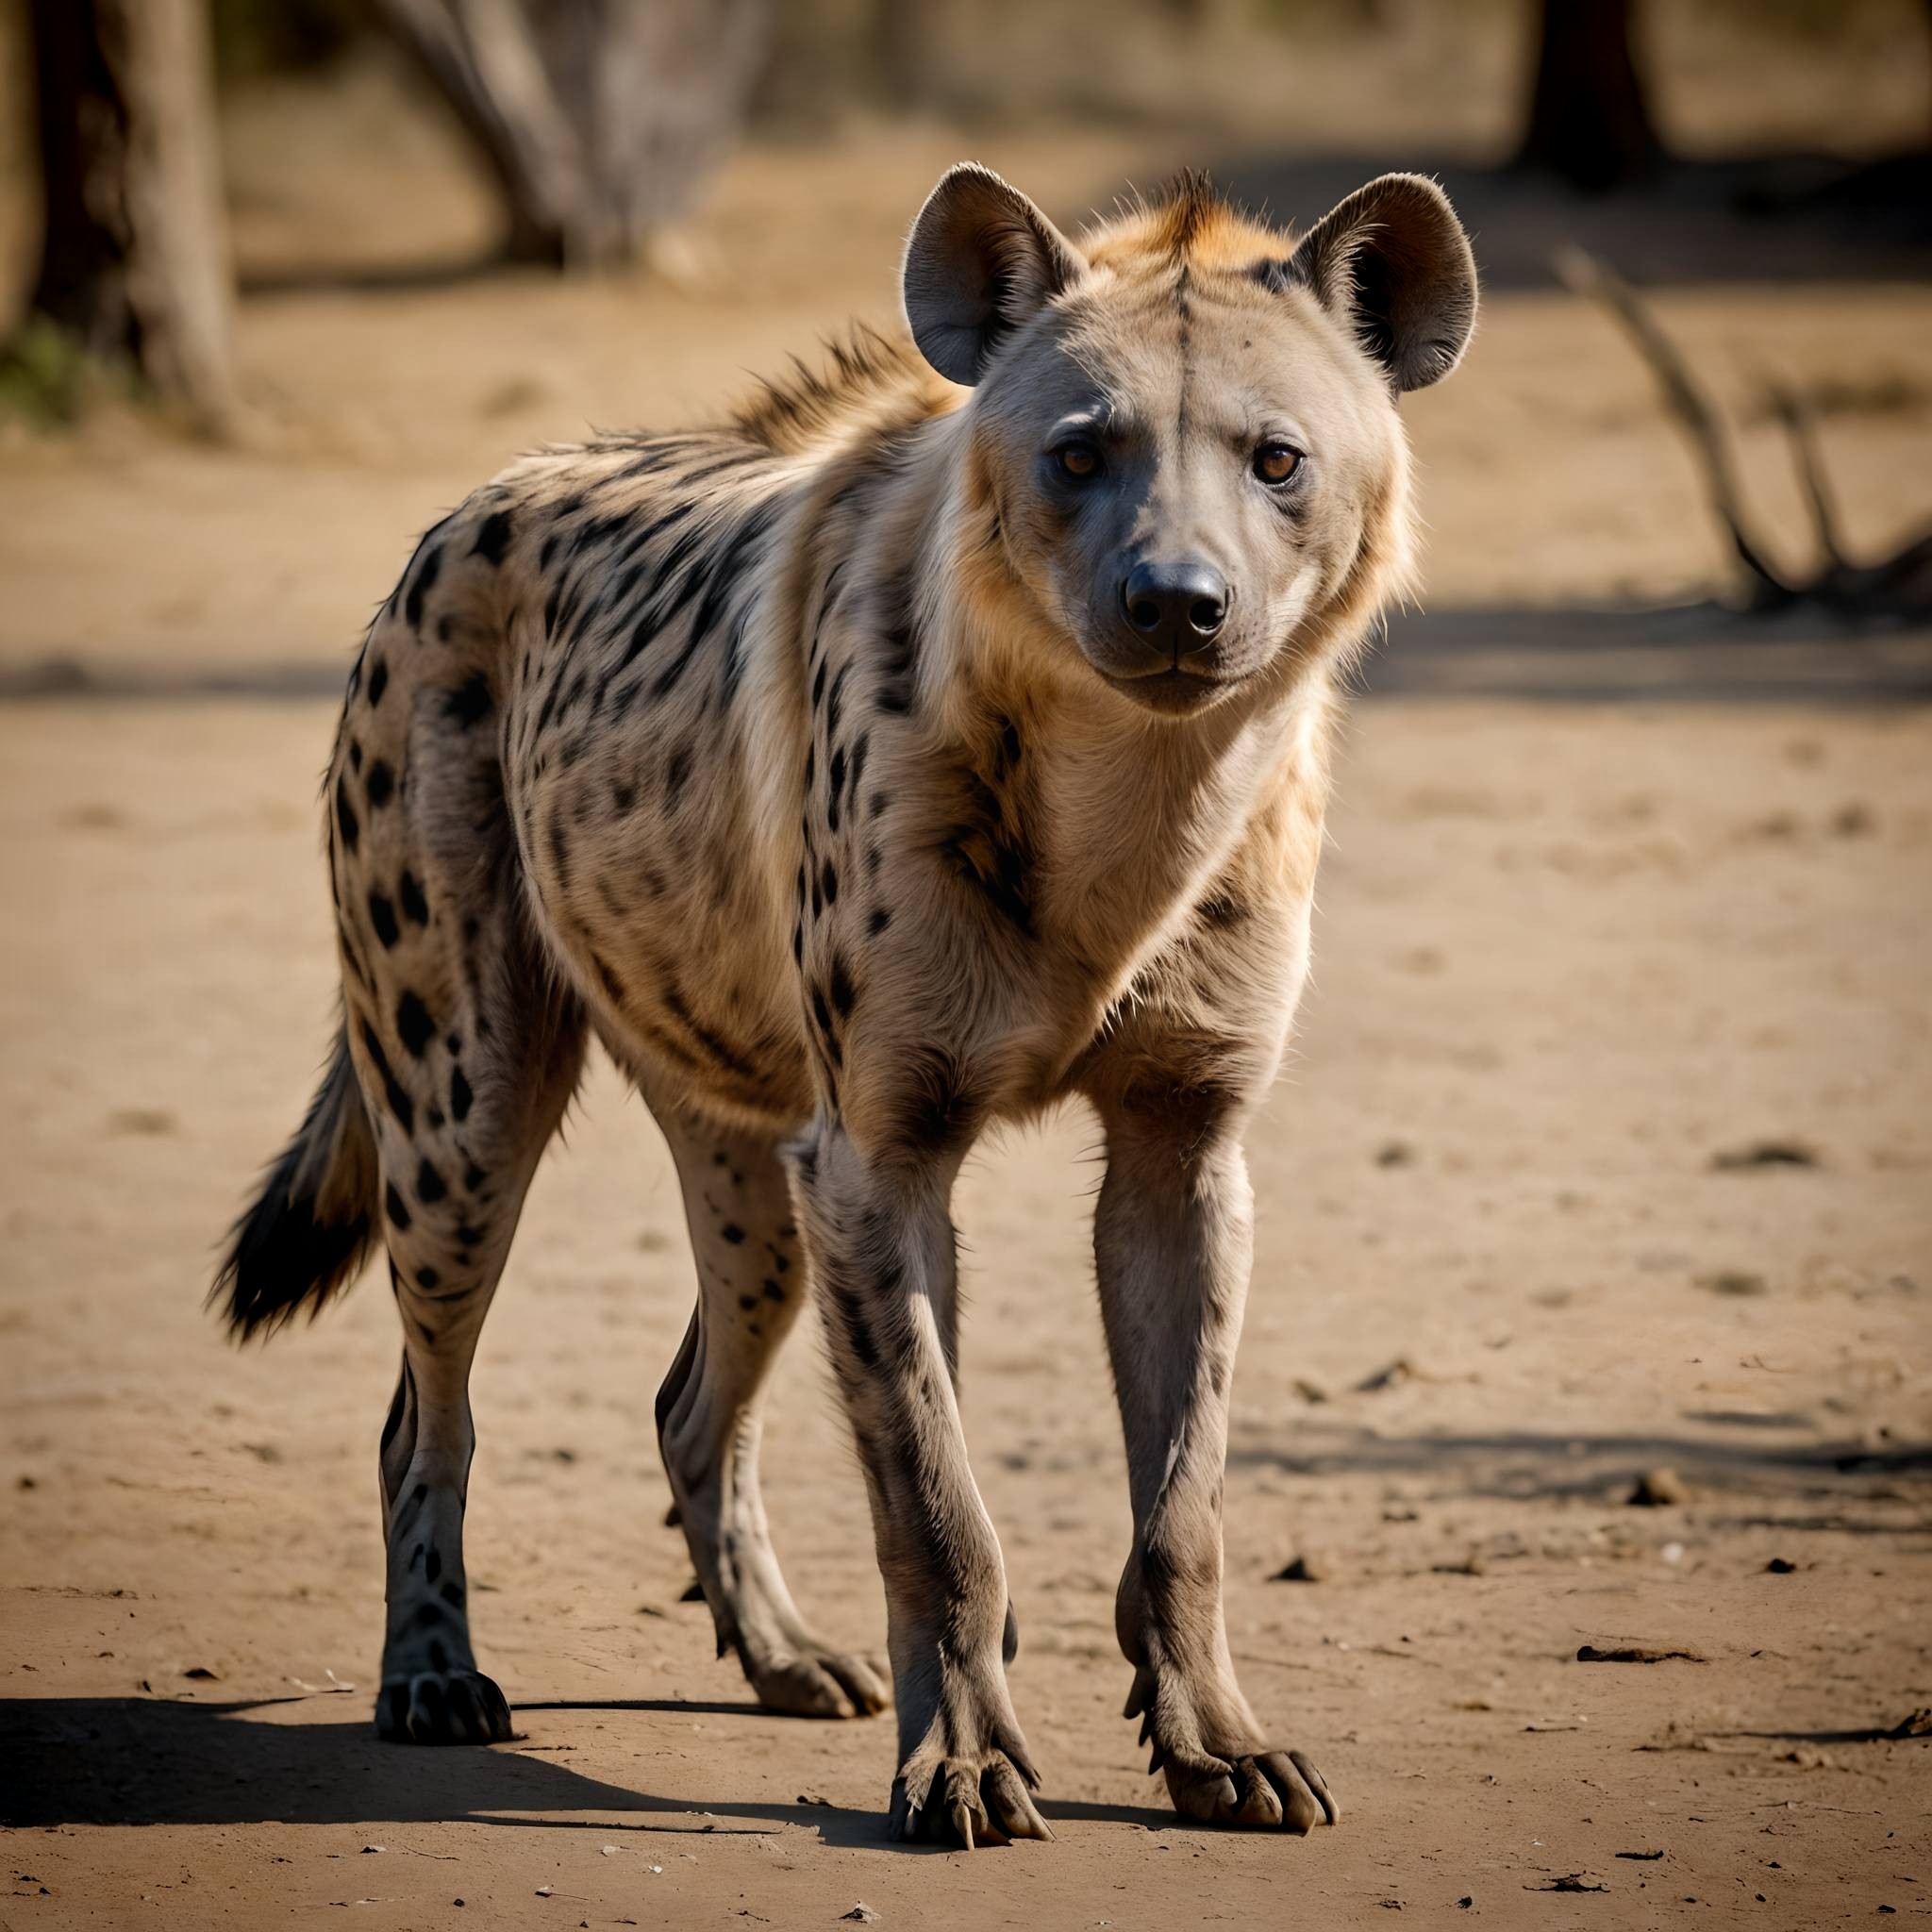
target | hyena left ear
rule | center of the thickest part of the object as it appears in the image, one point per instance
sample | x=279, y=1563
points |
x=1393, y=262
x=981, y=262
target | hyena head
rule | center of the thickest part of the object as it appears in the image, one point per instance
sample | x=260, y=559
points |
x=1186, y=427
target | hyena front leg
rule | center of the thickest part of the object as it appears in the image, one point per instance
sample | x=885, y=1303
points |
x=1174, y=1237
x=751, y=1288
x=880, y=1238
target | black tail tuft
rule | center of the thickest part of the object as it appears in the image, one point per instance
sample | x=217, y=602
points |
x=308, y=1233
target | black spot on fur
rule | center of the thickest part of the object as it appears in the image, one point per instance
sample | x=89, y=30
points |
x=881, y=918
x=470, y=702
x=381, y=784
x=413, y=1025
x=747, y=1302
x=460, y=1095
x=829, y=880
x=732, y=1233
x=676, y=772
x=431, y=1185
x=399, y=1404
x=394, y=1207
x=382, y=916
x=859, y=1335
x=471, y=1237
x=474, y=1178
x=772, y=1291
x=837, y=792
x=415, y=906
x=346, y=815
x=612, y=984
x=425, y=582
x=835, y=700
x=934, y=1110
x=399, y=1101
x=378, y=681
x=354, y=755
x=992, y=855
x=843, y=994
x=492, y=540
x=427, y=1277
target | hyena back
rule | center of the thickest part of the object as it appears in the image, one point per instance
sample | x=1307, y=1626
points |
x=938, y=739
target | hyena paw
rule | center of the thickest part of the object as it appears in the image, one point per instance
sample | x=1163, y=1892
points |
x=1217, y=1772
x=443, y=1707
x=966, y=1784
x=816, y=1681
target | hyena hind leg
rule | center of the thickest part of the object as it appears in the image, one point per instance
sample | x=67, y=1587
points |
x=751, y=1287
x=452, y=1199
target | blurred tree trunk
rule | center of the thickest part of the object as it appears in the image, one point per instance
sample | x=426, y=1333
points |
x=598, y=117
x=900, y=34
x=1589, y=119
x=134, y=260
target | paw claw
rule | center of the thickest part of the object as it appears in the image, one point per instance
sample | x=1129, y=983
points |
x=966, y=1802
x=822, y=1684
x=1013, y=1748
x=443, y=1707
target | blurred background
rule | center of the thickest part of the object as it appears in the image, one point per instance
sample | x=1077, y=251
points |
x=272, y=268
x=1594, y=1226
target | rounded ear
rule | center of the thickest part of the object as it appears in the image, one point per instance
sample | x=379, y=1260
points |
x=1393, y=262
x=981, y=262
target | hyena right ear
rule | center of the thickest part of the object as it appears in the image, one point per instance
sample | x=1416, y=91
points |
x=982, y=260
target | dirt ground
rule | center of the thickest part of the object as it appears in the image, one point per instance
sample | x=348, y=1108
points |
x=1605, y=1150
x=1571, y=964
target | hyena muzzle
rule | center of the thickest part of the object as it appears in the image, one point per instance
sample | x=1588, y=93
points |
x=943, y=736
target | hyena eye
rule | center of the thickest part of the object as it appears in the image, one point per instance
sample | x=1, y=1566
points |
x=1077, y=460
x=1275, y=462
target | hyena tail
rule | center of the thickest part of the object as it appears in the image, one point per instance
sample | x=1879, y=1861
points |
x=308, y=1233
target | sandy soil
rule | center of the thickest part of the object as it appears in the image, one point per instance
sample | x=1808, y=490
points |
x=1568, y=962
x=1575, y=964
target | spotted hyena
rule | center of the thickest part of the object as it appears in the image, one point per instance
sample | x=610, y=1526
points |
x=942, y=737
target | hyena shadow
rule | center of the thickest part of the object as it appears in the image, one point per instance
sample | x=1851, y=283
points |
x=141, y=1760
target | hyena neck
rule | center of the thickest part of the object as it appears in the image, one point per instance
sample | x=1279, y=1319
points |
x=1127, y=818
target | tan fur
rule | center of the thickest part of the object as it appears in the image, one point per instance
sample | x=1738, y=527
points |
x=811, y=764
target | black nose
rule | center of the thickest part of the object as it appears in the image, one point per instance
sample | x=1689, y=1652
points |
x=1176, y=607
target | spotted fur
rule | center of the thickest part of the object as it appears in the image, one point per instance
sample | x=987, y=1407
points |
x=817, y=764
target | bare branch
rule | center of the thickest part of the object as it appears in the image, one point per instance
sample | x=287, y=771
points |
x=1584, y=275
x=1800, y=426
